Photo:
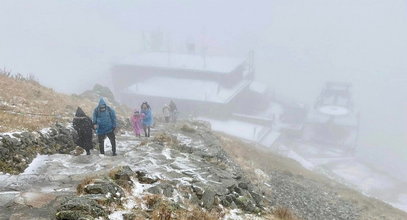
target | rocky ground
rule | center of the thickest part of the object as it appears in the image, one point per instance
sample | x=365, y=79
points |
x=184, y=171
x=307, y=194
x=18, y=149
x=181, y=170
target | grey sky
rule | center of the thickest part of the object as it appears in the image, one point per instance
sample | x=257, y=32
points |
x=299, y=45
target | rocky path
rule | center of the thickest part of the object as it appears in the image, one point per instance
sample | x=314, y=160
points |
x=183, y=170
x=185, y=164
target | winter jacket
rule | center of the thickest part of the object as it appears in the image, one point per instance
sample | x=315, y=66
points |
x=83, y=126
x=136, y=122
x=148, y=117
x=173, y=107
x=105, y=120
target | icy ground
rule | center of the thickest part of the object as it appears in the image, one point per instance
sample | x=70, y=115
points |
x=49, y=176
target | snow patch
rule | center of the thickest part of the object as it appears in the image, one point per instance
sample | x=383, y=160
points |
x=167, y=153
x=117, y=215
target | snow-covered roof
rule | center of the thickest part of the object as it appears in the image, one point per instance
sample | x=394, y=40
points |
x=187, y=89
x=214, y=64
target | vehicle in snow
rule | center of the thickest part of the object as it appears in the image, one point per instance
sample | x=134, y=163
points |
x=333, y=122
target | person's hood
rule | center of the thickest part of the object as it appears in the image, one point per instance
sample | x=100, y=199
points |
x=102, y=102
x=80, y=112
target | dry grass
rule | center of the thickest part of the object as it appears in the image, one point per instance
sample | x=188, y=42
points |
x=250, y=157
x=164, y=210
x=81, y=186
x=165, y=140
x=26, y=105
x=283, y=213
x=125, y=184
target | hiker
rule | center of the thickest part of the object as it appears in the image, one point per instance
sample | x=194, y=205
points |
x=104, y=121
x=148, y=118
x=173, y=111
x=166, y=113
x=136, y=122
x=83, y=126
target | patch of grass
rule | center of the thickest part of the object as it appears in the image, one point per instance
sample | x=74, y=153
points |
x=187, y=128
x=143, y=143
x=81, y=186
x=125, y=184
x=283, y=213
x=112, y=173
x=152, y=200
x=165, y=140
x=7, y=168
x=26, y=105
x=166, y=210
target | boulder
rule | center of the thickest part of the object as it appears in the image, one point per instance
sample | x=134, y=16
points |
x=144, y=178
x=74, y=208
x=105, y=187
x=208, y=199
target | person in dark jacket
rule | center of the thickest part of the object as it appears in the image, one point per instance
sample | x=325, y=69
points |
x=104, y=121
x=83, y=126
x=173, y=111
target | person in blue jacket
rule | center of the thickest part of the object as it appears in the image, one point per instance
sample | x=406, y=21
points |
x=148, y=118
x=104, y=121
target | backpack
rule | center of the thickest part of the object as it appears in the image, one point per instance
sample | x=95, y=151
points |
x=109, y=110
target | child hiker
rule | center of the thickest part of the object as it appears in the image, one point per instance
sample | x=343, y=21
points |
x=136, y=122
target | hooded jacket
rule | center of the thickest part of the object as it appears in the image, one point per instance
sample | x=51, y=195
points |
x=83, y=126
x=148, y=117
x=105, y=120
x=136, y=122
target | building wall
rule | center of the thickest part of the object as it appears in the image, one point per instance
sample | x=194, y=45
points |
x=125, y=75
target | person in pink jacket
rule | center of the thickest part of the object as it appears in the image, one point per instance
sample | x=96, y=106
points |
x=136, y=122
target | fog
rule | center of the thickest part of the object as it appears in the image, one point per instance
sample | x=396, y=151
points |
x=298, y=46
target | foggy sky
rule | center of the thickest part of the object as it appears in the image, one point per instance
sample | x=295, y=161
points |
x=299, y=45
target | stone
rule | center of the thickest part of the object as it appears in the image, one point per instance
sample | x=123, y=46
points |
x=237, y=190
x=17, y=135
x=124, y=173
x=79, y=208
x=77, y=151
x=4, y=151
x=168, y=189
x=155, y=190
x=257, y=198
x=99, y=198
x=106, y=188
x=225, y=202
x=52, y=132
x=245, y=203
x=208, y=199
x=243, y=185
x=198, y=191
x=144, y=178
